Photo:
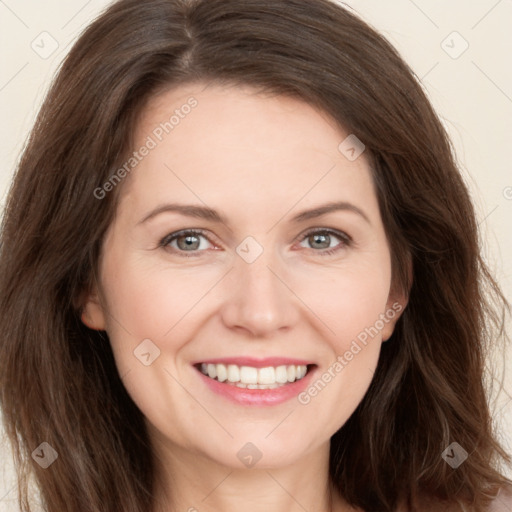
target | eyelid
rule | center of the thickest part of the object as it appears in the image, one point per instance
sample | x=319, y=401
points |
x=176, y=234
x=346, y=240
x=340, y=234
x=344, y=237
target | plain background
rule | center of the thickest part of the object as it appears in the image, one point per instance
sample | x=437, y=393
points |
x=460, y=50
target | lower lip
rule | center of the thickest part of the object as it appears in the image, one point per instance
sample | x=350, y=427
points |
x=260, y=397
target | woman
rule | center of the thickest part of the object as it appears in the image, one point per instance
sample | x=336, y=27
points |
x=241, y=270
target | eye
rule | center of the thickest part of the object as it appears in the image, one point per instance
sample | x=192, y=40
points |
x=194, y=241
x=322, y=239
x=190, y=240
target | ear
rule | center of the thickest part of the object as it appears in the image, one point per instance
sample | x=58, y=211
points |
x=396, y=304
x=394, y=310
x=92, y=313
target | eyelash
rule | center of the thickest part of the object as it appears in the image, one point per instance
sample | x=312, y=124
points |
x=346, y=240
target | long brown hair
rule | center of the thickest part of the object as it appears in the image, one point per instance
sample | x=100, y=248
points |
x=59, y=382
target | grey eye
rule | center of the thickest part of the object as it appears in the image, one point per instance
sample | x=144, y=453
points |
x=186, y=241
x=319, y=241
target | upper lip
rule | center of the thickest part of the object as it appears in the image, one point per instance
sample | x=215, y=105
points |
x=255, y=362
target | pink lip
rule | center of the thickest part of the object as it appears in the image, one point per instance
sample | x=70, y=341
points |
x=255, y=363
x=258, y=397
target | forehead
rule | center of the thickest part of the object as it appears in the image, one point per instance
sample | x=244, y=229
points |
x=236, y=144
x=257, y=122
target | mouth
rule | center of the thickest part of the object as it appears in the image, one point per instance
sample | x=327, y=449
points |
x=255, y=382
x=250, y=377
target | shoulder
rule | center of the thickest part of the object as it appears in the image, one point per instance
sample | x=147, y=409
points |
x=503, y=501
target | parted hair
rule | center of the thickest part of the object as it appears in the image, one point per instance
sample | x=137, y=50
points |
x=58, y=379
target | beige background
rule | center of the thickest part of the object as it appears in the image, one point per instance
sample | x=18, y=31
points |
x=460, y=50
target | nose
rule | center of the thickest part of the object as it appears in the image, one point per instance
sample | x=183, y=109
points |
x=258, y=298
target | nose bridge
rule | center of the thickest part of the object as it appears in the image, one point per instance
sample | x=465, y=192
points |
x=257, y=298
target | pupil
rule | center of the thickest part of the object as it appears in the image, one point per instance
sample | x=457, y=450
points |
x=190, y=242
x=321, y=239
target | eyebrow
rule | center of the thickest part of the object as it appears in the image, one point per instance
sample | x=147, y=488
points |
x=206, y=213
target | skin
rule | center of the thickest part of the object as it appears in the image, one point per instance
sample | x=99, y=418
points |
x=258, y=160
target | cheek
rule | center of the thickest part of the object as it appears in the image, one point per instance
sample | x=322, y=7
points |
x=149, y=300
x=350, y=305
x=349, y=300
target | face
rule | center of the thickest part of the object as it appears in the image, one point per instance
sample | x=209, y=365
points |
x=246, y=245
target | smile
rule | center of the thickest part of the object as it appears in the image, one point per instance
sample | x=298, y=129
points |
x=249, y=377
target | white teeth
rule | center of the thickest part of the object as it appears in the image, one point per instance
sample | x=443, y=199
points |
x=266, y=375
x=254, y=378
x=249, y=375
x=256, y=386
x=281, y=374
x=212, y=371
x=233, y=373
x=222, y=373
